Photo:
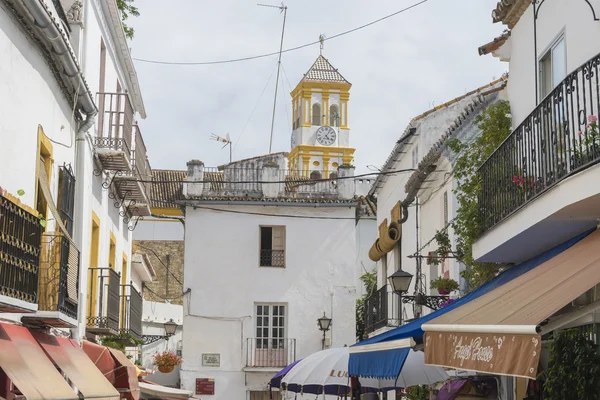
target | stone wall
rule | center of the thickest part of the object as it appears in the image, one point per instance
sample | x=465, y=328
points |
x=159, y=252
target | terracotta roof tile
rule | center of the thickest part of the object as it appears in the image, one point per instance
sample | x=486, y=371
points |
x=494, y=44
x=510, y=11
x=166, y=187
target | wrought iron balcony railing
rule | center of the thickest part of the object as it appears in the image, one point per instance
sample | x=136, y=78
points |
x=558, y=139
x=115, y=128
x=103, y=307
x=382, y=309
x=20, y=246
x=270, y=352
x=272, y=258
x=59, y=275
x=131, y=307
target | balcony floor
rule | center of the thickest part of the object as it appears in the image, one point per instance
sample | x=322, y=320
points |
x=11, y=305
x=113, y=160
x=55, y=319
x=569, y=208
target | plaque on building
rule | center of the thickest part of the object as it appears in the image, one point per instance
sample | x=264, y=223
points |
x=205, y=386
x=211, y=360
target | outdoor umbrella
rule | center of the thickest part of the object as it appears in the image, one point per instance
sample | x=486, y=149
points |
x=327, y=372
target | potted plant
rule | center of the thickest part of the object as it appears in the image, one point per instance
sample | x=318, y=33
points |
x=166, y=361
x=444, y=286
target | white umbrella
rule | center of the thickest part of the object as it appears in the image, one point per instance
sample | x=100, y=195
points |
x=329, y=369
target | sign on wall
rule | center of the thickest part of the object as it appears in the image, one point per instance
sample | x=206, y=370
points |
x=205, y=386
x=211, y=360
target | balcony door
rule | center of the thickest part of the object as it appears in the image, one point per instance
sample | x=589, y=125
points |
x=270, y=350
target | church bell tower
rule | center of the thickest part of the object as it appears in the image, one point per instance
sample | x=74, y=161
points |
x=320, y=139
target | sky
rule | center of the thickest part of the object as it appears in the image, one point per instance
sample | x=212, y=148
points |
x=398, y=68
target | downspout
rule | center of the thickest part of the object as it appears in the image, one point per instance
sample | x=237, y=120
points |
x=85, y=102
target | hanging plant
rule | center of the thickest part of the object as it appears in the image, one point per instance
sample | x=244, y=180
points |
x=444, y=286
x=417, y=393
x=574, y=368
x=166, y=361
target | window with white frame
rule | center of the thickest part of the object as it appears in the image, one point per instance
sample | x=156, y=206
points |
x=270, y=326
x=272, y=246
x=553, y=66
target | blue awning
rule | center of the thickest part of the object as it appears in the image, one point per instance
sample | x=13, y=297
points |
x=389, y=349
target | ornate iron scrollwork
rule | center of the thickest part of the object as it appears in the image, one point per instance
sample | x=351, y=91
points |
x=432, y=302
x=149, y=339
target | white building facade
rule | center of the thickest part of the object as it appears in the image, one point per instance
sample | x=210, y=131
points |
x=267, y=252
x=419, y=175
x=70, y=100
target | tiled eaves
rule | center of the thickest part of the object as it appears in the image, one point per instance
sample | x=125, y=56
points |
x=494, y=44
x=428, y=163
x=249, y=199
x=510, y=11
x=410, y=130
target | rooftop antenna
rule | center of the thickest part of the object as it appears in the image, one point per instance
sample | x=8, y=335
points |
x=282, y=9
x=226, y=140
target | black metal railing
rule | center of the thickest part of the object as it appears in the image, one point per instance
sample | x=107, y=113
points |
x=59, y=275
x=382, y=309
x=270, y=352
x=103, y=311
x=66, y=198
x=131, y=306
x=140, y=160
x=20, y=246
x=115, y=123
x=272, y=258
x=558, y=139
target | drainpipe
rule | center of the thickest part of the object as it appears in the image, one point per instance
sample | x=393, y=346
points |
x=84, y=101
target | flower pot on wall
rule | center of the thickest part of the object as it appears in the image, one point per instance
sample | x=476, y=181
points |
x=443, y=292
x=166, y=369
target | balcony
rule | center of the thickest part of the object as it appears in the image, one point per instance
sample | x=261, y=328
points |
x=382, y=309
x=103, y=309
x=554, y=150
x=20, y=247
x=131, y=306
x=133, y=189
x=115, y=126
x=270, y=353
x=58, y=284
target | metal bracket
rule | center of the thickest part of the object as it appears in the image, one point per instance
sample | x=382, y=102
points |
x=432, y=302
x=149, y=339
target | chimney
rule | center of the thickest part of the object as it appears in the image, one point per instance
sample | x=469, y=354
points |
x=195, y=176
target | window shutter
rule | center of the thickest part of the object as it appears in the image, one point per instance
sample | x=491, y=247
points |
x=279, y=238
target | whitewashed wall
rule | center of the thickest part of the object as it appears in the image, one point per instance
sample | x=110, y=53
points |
x=221, y=268
x=575, y=18
x=153, y=318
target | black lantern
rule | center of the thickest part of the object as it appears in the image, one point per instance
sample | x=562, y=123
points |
x=400, y=281
x=324, y=323
x=170, y=327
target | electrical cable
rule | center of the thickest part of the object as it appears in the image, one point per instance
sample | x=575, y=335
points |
x=286, y=50
x=301, y=179
x=167, y=298
x=272, y=215
x=158, y=258
x=254, y=109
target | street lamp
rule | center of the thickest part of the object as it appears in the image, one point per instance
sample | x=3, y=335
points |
x=400, y=281
x=170, y=329
x=324, y=324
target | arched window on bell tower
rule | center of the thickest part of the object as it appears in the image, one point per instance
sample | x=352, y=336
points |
x=334, y=115
x=316, y=114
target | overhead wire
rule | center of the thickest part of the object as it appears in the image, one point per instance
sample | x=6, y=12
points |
x=161, y=261
x=234, y=60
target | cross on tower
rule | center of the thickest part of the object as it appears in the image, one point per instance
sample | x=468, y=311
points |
x=322, y=42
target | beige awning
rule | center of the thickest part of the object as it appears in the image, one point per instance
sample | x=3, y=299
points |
x=28, y=367
x=499, y=331
x=77, y=366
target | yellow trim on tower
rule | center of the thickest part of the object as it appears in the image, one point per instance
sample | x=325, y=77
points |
x=325, y=167
x=331, y=86
x=325, y=97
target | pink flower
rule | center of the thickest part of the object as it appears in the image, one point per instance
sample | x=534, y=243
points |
x=580, y=133
x=592, y=118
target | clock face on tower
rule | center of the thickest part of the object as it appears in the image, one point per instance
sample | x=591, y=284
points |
x=326, y=135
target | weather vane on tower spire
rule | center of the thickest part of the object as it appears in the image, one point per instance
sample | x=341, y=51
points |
x=322, y=42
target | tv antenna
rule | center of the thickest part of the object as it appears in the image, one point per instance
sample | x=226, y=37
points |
x=226, y=140
x=282, y=9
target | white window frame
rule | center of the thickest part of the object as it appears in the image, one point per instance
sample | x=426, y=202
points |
x=271, y=340
x=547, y=53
